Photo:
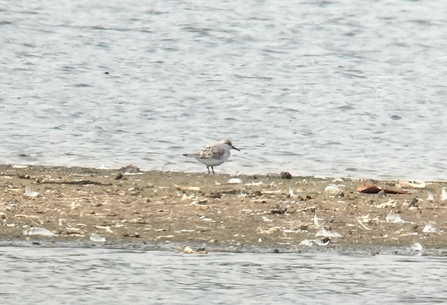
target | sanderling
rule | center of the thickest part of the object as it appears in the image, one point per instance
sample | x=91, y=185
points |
x=214, y=155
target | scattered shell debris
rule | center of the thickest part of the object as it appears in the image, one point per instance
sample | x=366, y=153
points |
x=189, y=250
x=311, y=242
x=326, y=233
x=274, y=210
x=387, y=204
x=259, y=183
x=411, y=184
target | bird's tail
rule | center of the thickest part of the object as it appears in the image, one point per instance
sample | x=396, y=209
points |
x=190, y=155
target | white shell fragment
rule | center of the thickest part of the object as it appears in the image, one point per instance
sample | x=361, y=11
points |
x=206, y=218
x=310, y=242
x=429, y=227
x=395, y=218
x=331, y=188
x=241, y=194
x=29, y=192
x=265, y=218
x=188, y=250
x=411, y=184
x=443, y=194
x=20, y=166
x=416, y=247
x=316, y=219
x=38, y=231
x=306, y=242
x=254, y=183
x=234, y=181
x=187, y=188
x=292, y=192
x=97, y=238
x=107, y=228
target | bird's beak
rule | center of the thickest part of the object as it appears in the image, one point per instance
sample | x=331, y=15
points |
x=235, y=148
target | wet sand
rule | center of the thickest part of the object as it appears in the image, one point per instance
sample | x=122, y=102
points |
x=130, y=208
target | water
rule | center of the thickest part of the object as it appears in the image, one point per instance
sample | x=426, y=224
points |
x=311, y=87
x=102, y=276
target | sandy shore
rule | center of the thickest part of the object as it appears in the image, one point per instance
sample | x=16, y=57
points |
x=130, y=208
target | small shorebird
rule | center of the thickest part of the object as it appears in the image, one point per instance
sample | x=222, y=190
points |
x=213, y=155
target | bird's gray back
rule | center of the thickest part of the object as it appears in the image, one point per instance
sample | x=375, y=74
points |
x=216, y=151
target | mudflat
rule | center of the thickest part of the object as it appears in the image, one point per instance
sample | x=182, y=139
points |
x=131, y=207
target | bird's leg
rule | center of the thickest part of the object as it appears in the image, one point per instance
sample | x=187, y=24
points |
x=212, y=167
x=208, y=168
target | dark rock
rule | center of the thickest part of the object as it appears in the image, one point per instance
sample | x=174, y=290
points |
x=286, y=175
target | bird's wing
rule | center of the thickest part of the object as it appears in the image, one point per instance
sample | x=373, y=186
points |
x=211, y=151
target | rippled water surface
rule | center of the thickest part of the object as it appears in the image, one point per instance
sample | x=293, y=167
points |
x=101, y=276
x=311, y=87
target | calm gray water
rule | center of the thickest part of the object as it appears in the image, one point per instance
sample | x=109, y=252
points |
x=332, y=88
x=101, y=276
